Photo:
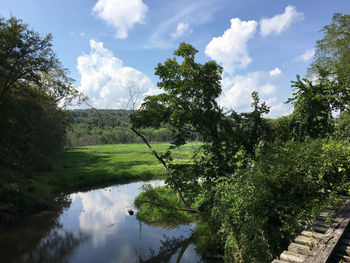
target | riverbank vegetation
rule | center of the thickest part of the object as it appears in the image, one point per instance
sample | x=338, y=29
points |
x=160, y=206
x=34, y=89
x=254, y=181
x=79, y=169
x=260, y=180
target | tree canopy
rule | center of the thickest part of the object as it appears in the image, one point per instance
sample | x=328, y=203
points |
x=33, y=88
x=256, y=181
x=333, y=56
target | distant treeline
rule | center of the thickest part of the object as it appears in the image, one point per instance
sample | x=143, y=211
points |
x=87, y=127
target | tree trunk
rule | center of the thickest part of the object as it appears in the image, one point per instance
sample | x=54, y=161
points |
x=178, y=193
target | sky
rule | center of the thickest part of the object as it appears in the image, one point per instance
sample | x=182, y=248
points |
x=110, y=45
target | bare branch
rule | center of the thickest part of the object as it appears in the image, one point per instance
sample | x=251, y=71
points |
x=178, y=193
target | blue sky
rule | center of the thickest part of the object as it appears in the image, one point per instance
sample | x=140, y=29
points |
x=110, y=45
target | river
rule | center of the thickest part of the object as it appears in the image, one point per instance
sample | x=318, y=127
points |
x=95, y=226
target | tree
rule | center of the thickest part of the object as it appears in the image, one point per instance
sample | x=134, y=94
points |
x=189, y=105
x=32, y=85
x=312, y=115
x=333, y=56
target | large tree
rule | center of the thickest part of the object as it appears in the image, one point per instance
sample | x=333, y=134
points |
x=189, y=105
x=313, y=101
x=333, y=56
x=33, y=88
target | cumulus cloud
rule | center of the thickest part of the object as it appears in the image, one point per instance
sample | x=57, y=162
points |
x=121, y=14
x=307, y=56
x=278, y=109
x=230, y=49
x=182, y=29
x=238, y=89
x=106, y=81
x=279, y=23
x=275, y=72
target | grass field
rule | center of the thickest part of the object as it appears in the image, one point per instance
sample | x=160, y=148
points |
x=87, y=167
x=80, y=169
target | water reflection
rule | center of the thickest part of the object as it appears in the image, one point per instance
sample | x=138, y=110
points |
x=97, y=227
x=40, y=238
x=172, y=248
x=56, y=247
x=115, y=235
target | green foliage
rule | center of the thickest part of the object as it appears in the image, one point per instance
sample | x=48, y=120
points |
x=32, y=83
x=333, y=56
x=83, y=168
x=87, y=128
x=20, y=196
x=188, y=105
x=280, y=129
x=23, y=55
x=205, y=239
x=32, y=129
x=313, y=104
x=342, y=129
x=92, y=166
x=255, y=181
x=189, y=102
x=258, y=213
x=160, y=206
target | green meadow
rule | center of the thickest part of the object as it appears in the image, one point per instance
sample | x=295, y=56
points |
x=82, y=168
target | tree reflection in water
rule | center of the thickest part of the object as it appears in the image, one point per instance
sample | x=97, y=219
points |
x=169, y=248
x=39, y=238
x=56, y=247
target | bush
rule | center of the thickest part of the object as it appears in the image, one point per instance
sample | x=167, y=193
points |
x=160, y=206
x=258, y=212
x=342, y=129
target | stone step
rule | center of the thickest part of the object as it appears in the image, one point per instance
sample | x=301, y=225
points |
x=319, y=229
x=320, y=223
x=303, y=240
x=292, y=257
x=326, y=214
x=325, y=217
x=313, y=234
x=298, y=248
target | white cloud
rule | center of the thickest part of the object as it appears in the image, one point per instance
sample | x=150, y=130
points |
x=275, y=72
x=278, y=109
x=307, y=56
x=121, y=14
x=104, y=78
x=230, y=49
x=238, y=89
x=279, y=23
x=182, y=29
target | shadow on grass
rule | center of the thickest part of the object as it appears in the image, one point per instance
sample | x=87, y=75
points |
x=80, y=170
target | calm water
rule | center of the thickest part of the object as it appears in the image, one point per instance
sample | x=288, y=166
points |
x=96, y=227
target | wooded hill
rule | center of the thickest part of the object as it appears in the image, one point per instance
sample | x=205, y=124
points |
x=91, y=127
